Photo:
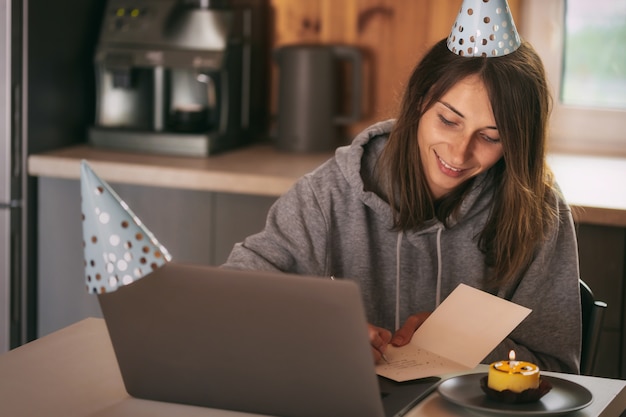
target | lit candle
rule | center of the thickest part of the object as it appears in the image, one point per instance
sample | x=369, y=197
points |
x=513, y=375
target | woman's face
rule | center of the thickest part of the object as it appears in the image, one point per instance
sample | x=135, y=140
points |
x=458, y=137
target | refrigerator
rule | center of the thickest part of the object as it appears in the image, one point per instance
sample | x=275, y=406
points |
x=47, y=101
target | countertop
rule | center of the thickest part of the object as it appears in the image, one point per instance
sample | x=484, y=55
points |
x=594, y=186
x=257, y=169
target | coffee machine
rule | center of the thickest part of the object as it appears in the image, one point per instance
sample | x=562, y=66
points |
x=181, y=77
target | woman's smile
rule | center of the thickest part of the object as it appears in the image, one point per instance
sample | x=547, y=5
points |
x=447, y=168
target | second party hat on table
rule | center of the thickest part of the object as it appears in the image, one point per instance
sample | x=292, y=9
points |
x=484, y=28
x=118, y=248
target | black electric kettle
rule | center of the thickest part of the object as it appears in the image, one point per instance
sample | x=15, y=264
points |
x=309, y=96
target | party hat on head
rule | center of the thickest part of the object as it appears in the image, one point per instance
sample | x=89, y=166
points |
x=118, y=248
x=484, y=28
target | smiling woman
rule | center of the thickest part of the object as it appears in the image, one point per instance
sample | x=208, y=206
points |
x=474, y=95
x=454, y=190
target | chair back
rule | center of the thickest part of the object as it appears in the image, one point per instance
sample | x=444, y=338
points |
x=592, y=319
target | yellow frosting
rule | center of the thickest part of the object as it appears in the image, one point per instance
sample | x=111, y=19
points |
x=516, y=376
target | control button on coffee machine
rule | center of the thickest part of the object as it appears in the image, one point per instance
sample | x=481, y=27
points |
x=183, y=77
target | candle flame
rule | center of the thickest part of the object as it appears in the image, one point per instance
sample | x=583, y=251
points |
x=512, y=355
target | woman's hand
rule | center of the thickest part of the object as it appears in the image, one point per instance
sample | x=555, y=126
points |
x=379, y=339
x=403, y=335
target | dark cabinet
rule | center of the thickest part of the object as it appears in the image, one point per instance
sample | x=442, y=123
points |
x=195, y=226
x=602, y=266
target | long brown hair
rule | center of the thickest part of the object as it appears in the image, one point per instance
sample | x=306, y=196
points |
x=524, y=205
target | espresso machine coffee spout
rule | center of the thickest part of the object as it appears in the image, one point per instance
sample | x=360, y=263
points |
x=185, y=77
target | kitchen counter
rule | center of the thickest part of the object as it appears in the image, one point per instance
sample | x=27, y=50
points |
x=594, y=186
x=256, y=170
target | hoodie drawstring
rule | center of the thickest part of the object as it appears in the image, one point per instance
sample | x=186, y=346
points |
x=438, y=296
x=398, y=246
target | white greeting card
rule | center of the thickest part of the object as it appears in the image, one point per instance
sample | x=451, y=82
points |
x=456, y=336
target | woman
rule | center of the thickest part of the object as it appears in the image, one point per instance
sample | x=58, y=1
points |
x=456, y=190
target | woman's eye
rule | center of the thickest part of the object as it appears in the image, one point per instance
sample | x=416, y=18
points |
x=446, y=121
x=490, y=139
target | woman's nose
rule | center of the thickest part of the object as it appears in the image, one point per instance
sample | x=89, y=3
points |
x=461, y=149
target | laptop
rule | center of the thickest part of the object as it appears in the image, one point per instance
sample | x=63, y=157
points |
x=259, y=342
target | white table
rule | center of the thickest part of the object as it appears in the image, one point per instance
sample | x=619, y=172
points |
x=73, y=372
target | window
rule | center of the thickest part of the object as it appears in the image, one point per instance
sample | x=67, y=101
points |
x=581, y=43
x=594, y=54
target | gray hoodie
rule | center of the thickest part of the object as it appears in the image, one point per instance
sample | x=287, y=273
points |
x=331, y=223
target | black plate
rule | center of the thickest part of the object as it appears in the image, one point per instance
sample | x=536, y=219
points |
x=565, y=397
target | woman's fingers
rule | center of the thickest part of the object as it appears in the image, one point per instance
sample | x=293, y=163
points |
x=403, y=335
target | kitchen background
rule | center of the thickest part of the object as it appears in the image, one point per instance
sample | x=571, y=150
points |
x=392, y=35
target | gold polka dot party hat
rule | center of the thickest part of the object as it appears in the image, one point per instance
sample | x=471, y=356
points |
x=484, y=28
x=118, y=248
